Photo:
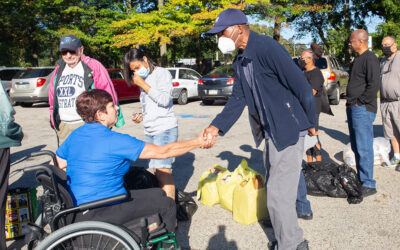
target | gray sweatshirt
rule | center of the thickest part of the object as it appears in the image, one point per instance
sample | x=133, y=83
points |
x=157, y=105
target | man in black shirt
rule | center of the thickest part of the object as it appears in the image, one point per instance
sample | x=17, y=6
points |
x=362, y=90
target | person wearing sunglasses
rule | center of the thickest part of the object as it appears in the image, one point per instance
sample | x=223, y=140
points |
x=390, y=96
x=74, y=74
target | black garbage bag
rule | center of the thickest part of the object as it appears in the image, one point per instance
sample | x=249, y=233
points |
x=185, y=206
x=351, y=183
x=332, y=180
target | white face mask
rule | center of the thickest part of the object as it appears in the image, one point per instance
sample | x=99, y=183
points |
x=227, y=45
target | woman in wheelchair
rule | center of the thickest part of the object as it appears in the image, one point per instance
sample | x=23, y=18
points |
x=96, y=159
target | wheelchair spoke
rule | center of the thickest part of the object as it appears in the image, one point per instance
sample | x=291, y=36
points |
x=115, y=246
x=90, y=242
x=98, y=244
x=105, y=246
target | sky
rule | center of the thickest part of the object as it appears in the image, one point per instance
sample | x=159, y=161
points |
x=288, y=33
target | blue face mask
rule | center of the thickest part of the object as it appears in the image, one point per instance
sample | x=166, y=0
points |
x=143, y=72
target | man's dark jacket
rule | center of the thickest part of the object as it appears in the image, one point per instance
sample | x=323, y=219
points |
x=287, y=97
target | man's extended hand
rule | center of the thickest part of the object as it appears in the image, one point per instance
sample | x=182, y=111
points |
x=312, y=132
x=210, y=136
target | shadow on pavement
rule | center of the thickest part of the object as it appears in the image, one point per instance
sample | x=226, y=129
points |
x=22, y=155
x=219, y=241
x=335, y=134
x=182, y=170
x=255, y=161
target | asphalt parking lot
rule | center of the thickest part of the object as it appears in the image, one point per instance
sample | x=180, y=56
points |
x=373, y=224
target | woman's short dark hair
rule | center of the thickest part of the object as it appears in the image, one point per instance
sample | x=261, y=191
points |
x=91, y=101
x=132, y=55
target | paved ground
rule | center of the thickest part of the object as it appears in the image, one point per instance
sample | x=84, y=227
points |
x=373, y=224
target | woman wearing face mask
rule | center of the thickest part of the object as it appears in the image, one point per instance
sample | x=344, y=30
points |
x=316, y=80
x=159, y=121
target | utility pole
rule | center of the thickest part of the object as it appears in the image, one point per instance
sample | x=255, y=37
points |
x=163, y=46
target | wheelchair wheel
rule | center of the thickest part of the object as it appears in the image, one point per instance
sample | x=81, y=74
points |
x=89, y=235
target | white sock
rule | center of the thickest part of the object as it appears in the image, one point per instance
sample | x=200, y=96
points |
x=397, y=155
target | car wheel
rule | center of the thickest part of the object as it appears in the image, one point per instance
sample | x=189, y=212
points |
x=207, y=102
x=26, y=104
x=183, y=98
x=335, y=97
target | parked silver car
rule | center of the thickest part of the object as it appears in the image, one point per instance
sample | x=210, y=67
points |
x=6, y=74
x=30, y=86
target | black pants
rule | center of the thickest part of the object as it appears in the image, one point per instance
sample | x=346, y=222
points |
x=144, y=202
x=4, y=173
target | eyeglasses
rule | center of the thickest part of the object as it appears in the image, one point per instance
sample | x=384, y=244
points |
x=64, y=52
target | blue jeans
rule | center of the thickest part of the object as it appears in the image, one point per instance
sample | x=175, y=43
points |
x=167, y=136
x=361, y=133
x=303, y=205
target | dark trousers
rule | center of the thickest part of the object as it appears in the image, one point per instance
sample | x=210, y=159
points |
x=144, y=202
x=4, y=173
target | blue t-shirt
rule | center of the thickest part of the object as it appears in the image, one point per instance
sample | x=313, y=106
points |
x=97, y=160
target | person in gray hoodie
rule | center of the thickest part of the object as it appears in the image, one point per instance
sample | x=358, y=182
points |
x=159, y=121
x=10, y=136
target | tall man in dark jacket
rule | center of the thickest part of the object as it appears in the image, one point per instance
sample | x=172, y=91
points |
x=362, y=90
x=281, y=109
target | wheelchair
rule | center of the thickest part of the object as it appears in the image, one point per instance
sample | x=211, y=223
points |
x=59, y=213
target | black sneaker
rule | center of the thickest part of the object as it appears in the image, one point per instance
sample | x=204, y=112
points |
x=305, y=216
x=398, y=168
x=367, y=191
x=303, y=245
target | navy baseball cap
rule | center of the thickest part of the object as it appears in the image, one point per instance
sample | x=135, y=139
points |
x=228, y=18
x=70, y=42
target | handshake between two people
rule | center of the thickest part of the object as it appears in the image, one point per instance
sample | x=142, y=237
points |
x=207, y=137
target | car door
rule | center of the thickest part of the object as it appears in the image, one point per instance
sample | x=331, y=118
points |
x=192, y=87
x=124, y=92
x=185, y=80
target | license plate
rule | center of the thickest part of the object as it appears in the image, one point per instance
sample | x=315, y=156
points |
x=213, y=92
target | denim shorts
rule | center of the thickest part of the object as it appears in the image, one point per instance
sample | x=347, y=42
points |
x=167, y=136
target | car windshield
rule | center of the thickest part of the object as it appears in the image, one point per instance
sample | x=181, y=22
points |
x=32, y=73
x=223, y=70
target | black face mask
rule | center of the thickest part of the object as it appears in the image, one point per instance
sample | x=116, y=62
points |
x=387, y=51
x=302, y=64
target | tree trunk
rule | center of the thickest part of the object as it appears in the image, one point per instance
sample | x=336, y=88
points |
x=163, y=46
x=128, y=6
x=347, y=25
x=277, y=30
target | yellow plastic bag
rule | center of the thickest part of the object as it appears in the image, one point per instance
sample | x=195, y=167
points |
x=207, y=188
x=250, y=201
x=244, y=170
x=226, y=183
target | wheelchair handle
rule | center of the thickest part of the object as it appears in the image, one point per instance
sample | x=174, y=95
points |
x=46, y=169
x=50, y=172
x=46, y=152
